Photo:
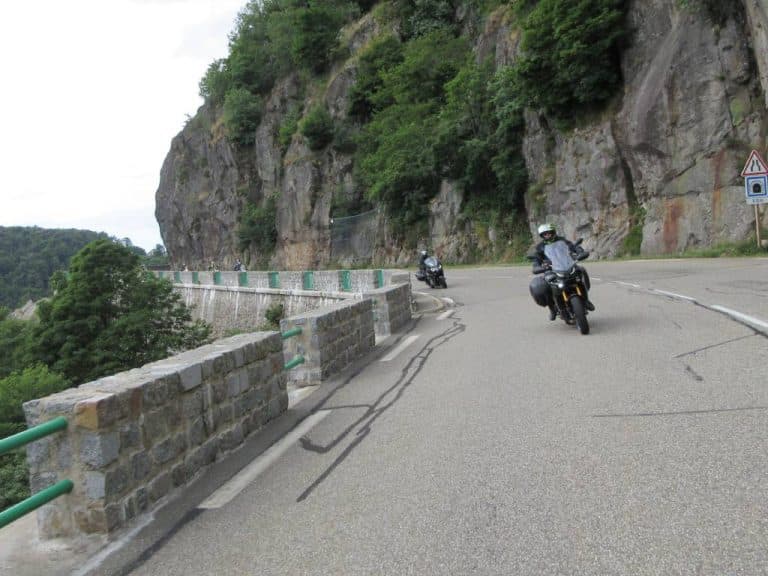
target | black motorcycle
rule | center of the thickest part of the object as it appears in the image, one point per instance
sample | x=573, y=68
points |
x=432, y=273
x=569, y=283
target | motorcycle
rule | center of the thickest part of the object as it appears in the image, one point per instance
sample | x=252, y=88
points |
x=569, y=283
x=432, y=273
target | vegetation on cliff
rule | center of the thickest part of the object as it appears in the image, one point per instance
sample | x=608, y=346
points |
x=422, y=108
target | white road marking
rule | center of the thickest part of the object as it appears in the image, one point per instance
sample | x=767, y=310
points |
x=751, y=320
x=673, y=295
x=449, y=301
x=402, y=346
x=445, y=314
x=627, y=284
x=242, y=479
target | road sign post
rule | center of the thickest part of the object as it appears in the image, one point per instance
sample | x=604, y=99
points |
x=755, y=174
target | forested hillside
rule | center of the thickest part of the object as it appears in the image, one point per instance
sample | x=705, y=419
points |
x=29, y=256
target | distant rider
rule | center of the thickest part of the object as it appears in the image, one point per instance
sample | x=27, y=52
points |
x=539, y=288
x=423, y=255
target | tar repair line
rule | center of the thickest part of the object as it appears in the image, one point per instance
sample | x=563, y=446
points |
x=242, y=479
x=403, y=345
x=751, y=320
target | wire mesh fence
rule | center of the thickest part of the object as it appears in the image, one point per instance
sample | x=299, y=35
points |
x=354, y=238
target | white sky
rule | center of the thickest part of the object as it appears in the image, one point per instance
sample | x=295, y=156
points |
x=92, y=93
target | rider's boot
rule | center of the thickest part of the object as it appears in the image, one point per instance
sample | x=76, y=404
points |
x=552, y=312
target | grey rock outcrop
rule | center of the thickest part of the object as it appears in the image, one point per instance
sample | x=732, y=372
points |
x=665, y=156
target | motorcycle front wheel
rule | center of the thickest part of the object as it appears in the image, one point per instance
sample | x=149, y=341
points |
x=580, y=313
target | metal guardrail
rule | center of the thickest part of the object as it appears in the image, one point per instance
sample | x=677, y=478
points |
x=298, y=359
x=44, y=496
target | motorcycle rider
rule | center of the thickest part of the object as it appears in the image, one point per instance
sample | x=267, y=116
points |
x=539, y=288
x=423, y=255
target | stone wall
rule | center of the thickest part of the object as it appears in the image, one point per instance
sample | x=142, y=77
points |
x=135, y=436
x=391, y=308
x=330, y=340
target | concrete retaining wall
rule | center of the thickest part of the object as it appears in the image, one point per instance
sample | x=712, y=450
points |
x=228, y=308
x=135, y=436
x=391, y=308
x=331, y=339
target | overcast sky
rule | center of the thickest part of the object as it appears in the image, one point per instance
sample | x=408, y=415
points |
x=93, y=92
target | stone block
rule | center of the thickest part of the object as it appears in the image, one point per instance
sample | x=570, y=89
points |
x=155, y=426
x=130, y=435
x=97, y=412
x=141, y=466
x=163, y=451
x=116, y=481
x=196, y=432
x=179, y=474
x=159, y=487
x=191, y=377
x=155, y=393
x=95, y=485
x=99, y=450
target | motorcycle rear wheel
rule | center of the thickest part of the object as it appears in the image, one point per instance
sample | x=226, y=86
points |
x=577, y=305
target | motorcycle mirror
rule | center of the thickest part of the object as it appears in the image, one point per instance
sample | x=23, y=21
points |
x=578, y=242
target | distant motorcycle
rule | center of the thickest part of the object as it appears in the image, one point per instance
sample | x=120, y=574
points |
x=568, y=282
x=432, y=273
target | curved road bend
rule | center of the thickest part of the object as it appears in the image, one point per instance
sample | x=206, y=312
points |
x=497, y=442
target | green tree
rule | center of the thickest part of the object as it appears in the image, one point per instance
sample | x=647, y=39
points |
x=111, y=315
x=317, y=127
x=242, y=114
x=570, y=57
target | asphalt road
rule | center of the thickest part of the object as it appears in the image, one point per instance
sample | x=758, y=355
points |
x=498, y=442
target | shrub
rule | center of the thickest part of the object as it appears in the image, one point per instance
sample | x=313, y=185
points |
x=273, y=315
x=257, y=230
x=570, y=57
x=317, y=128
x=288, y=126
x=242, y=114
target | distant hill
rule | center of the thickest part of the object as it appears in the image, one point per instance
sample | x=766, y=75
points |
x=28, y=257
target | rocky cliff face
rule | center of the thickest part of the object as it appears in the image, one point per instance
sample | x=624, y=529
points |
x=665, y=157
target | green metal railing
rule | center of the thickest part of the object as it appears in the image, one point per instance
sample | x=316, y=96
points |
x=274, y=280
x=44, y=496
x=378, y=278
x=242, y=279
x=195, y=278
x=177, y=277
x=345, y=280
x=308, y=280
x=298, y=359
x=217, y=278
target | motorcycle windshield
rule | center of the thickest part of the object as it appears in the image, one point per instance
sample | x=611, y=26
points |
x=560, y=256
x=431, y=262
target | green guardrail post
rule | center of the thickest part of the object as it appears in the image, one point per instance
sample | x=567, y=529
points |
x=378, y=277
x=34, y=433
x=217, y=278
x=294, y=362
x=177, y=277
x=161, y=274
x=195, y=277
x=292, y=332
x=242, y=279
x=33, y=502
x=345, y=279
x=308, y=280
x=274, y=280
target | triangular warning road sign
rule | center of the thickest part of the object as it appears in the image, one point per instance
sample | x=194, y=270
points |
x=755, y=165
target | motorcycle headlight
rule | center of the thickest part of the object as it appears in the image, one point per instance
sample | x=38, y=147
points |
x=434, y=269
x=561, y=285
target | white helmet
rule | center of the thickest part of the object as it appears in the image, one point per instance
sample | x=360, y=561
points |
x=547, y=227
